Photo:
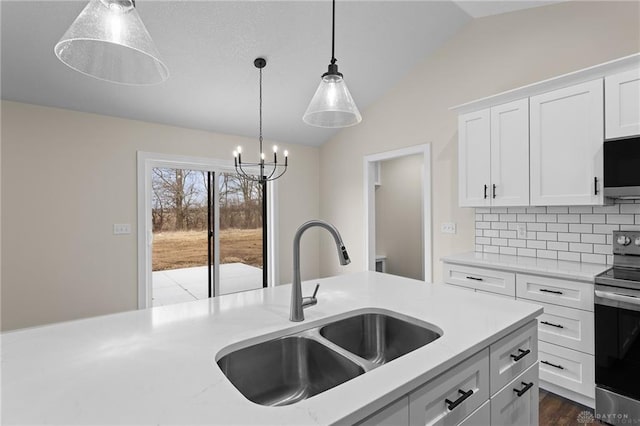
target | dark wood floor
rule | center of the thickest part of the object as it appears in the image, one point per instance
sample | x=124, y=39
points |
x=558, y=411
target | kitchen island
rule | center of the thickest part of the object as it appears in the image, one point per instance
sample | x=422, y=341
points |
x=158, y=366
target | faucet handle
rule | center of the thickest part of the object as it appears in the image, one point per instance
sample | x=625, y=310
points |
x=315, y=291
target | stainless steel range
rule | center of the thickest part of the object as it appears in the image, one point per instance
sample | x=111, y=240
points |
x=617, y=333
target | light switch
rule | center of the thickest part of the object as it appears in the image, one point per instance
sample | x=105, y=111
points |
x=121, y=228
x=448, y=228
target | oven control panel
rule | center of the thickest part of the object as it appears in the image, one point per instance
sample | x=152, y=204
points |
x=626, y=242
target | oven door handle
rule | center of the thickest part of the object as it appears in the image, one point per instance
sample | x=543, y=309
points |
x=618, y=297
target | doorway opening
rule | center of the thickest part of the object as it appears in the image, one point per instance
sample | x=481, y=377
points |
x=202, y=230
x=398, y=212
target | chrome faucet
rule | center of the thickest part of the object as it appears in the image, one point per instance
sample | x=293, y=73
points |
x=298, y=303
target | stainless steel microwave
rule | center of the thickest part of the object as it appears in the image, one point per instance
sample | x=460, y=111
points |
x=622, y=168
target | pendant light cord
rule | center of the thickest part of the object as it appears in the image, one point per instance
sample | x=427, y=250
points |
x=333, y=34
x=260, y=136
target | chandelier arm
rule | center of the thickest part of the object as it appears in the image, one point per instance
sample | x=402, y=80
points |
x=283, y=172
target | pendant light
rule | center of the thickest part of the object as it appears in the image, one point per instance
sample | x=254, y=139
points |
x=108, y=41
x=332, y=104
x=267, y=170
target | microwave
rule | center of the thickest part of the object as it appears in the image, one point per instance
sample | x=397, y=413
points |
x=622, y=168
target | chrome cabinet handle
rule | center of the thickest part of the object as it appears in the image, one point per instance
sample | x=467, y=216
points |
x=454, y=404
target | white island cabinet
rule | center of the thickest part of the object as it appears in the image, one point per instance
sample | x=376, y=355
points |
x=158, y=366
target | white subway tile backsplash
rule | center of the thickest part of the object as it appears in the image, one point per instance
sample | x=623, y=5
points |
x=547, y=254
x=557, y=227
x=546, y=218
x=593, y=258
x=568, y=255
x=526, y=252
x=555, y=245
x=580, y=227
x=594, y=238
x=573, y=233
x=580, y=209
x=626, y=219
x=581, y=247
x=569, y=218
x=555, y=209
x=630, y=208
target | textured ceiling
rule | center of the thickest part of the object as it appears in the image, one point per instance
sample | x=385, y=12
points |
x=209, y=47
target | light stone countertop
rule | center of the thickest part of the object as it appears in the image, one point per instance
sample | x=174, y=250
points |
x=158, y=366
x=554, y=268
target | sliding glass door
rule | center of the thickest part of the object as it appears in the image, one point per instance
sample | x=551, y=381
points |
x=208, y=235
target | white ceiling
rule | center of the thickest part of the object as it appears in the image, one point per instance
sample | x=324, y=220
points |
x=209, y=47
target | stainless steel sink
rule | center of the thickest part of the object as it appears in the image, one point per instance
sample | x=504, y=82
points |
x=377, y=337
x=286, y=370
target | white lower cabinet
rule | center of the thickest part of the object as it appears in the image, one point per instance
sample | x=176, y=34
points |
x=517, y=403
x=512, y=355
x=569, y=369
x=480, y=417
x=393, y=414
x=480, y=279
x=450, y=398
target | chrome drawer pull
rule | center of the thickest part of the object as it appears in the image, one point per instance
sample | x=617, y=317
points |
x=559, y=367
x=544, y=290
x=454, y=404
x=524, y=390
x=522, y=354
x=475, y=279
x=552, y=324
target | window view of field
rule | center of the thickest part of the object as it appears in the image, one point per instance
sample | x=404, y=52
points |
x=180, y=218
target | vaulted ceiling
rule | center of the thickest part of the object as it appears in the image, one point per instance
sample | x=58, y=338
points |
x=209, y=47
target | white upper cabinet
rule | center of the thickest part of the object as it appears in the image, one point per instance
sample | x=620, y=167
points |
x=474, y=159
x=510, y=154
x=566, y=139
x=622, y=104
x=493, y=156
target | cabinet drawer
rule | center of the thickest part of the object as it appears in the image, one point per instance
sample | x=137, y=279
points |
x=517, y=403
x=480, y=278
x=512, y=355
x=573, y=294
x=571, y=328
x=394, y=414
x=482, y=416
x=567, y=368
x=429, y=405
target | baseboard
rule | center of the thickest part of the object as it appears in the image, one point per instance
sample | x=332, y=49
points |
x=569, y=394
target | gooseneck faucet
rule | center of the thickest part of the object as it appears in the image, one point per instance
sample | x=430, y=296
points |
x=298, y=303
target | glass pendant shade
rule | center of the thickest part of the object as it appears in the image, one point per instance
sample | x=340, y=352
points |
x=332, y=105
x=108, y=41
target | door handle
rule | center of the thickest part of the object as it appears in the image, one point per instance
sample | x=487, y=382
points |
x=494, y=190
x=485, y=192
x=595, y=185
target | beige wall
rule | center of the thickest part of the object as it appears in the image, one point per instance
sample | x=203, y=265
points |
x=67, y=177
x=399, y=215
x=488, y=56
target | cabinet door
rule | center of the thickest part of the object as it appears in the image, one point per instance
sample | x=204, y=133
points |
x=622, y=104
x=394, y=414
x=566, y=138
x=517, y=403
x=510, y=154
x=474, y=159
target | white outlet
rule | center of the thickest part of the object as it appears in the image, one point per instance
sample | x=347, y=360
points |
x=448, y=228
x=121, y=228
x=521, y=229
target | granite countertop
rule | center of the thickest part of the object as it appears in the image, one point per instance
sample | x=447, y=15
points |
x=554, y=268
x=158, y=366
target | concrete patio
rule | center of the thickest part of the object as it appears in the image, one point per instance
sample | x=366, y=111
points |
x=189, y=284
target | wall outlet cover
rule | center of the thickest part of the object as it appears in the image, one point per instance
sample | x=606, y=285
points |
x=448, y=228
x=121, y=228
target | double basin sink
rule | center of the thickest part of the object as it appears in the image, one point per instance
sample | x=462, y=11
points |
x=291, y=368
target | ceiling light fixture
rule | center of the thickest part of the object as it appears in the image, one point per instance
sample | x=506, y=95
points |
x=108, y=41
x=266, y=170
x=332, y=104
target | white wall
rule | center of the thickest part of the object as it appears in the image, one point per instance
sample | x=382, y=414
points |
x=488, y=56
x=67, y=177
x=399, y=216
